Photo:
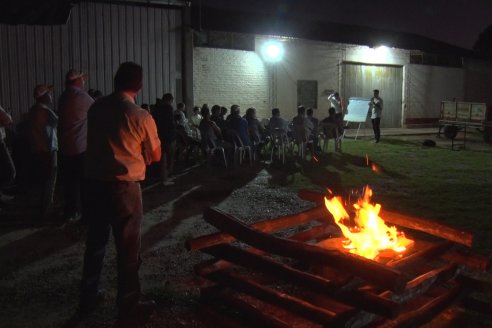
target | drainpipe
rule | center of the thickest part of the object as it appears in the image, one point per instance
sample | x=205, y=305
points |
x=187, y=58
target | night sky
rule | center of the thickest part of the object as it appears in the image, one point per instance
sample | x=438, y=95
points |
x=457, y=22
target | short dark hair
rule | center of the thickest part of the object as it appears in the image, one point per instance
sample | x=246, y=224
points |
x=376, y=90
x=301, y=110
x=235, y=109
x=129, y=77
x=167, y=97
x=180, y=105
x=275, y=112
x=215, y=110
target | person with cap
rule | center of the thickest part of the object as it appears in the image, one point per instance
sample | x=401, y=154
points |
x=73, y=105
x=43, y=123
x=375, y=109
x=121, y=140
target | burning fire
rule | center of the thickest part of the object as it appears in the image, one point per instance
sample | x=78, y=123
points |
x=371, y=235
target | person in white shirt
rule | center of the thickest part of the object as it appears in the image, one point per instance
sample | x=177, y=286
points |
x=336, y=103
x=376, y=108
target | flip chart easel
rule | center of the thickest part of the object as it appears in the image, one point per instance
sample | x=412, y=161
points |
x=357, y=111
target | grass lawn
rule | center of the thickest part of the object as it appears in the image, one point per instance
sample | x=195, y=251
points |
x=454, y=187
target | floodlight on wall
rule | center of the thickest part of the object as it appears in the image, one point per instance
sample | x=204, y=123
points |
x=376, y=54
x=273, y=51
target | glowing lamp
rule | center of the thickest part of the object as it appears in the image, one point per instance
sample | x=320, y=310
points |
x=273, y=51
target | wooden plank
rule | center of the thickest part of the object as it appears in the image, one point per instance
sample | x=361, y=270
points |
x=290, y=303
x=424, y=313
x=472, y=261
x=369, y=270
x=254, y=311
x=246, y=258
x=416, y=223
x=432, y=250
x=421, y=284
x=270, y=225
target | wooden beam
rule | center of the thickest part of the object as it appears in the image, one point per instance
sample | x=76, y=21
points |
x=369, y=270
x=431, y=227
x=472, y=261
x=270, y=225
x=424, y=282
x=240, y=283
x=252, y=311
x=417, y=316
x=432, y=250
x=359, y=299
x=428, y=226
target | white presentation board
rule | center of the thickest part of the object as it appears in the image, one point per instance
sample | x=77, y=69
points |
x=357, y=109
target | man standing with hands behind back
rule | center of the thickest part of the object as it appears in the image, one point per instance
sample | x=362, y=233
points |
x=375, y=108
x=121, y=139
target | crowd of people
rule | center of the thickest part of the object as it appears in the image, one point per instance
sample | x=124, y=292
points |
x=106, y=146
x=47, y=146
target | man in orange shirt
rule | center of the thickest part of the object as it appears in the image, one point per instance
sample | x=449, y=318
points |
x=121, y=140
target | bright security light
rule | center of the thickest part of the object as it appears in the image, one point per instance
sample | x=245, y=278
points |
x=273, y=51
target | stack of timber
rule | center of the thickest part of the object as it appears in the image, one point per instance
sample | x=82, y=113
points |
x=279, y=273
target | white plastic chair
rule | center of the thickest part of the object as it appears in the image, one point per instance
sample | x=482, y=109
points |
x=279, y=141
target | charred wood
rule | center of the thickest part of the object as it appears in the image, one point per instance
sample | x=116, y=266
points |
x=270, y=225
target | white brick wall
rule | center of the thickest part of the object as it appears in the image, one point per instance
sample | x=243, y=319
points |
x=227, y=77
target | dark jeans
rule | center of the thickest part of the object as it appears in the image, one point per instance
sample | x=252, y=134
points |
x=72, y=173
x=45, y=167
x=376, y=126
x=117, y=206
x=7, y=168
x=168, y=152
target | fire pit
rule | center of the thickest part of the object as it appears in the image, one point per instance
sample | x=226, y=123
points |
x=299, y=271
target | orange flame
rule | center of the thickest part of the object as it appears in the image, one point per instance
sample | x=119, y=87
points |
x=371, y=235
x=375, y=168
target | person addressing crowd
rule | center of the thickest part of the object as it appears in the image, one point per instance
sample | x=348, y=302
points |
x=375, y=109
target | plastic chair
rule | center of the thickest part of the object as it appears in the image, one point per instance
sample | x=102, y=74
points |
x=279, y=141
x=330, y=131
x=301, y=139
x=211, y=148
x=240, y=149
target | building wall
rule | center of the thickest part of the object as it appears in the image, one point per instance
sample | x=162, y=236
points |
x=96, y=39
x=304, y=60
x=478, y=81
x=427, y=86
x=226, y=77
x=275, y=84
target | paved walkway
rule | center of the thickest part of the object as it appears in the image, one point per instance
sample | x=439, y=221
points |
x=368, y=133
x=474, y=138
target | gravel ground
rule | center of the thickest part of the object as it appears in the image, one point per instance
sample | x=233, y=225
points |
x=41, y=264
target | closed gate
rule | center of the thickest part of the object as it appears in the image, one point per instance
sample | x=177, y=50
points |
x=359, y=80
